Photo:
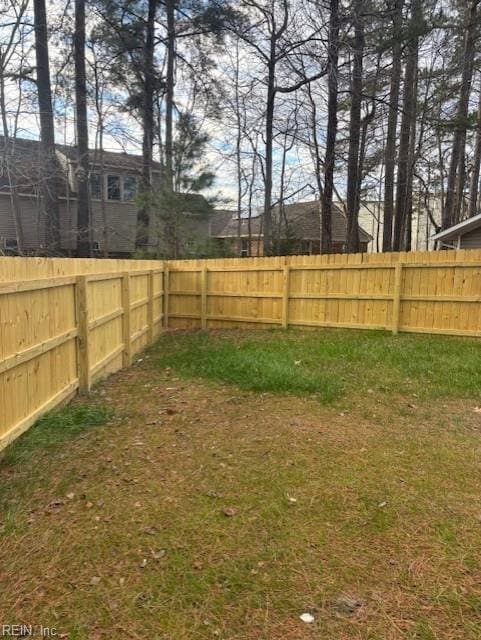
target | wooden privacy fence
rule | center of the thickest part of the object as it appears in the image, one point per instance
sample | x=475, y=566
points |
x=436, y=292
x=66, y=323
x=59, y=335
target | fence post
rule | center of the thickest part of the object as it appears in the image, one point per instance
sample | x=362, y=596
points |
x=285, y=296
x=150, y=306
x=83, y=334
x=396, y=308
x=127, y=352
x=166, y=297
x=203, y=299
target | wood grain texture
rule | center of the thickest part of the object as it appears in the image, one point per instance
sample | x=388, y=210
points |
x=66, y=323
x=62, y=326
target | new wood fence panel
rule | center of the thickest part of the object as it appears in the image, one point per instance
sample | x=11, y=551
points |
x=139, y=305
x=66, y=323
x=18, y=269
x=37, y=352
x=433, y=292
x=105, y=339
x=62, y=327
x=184, y=298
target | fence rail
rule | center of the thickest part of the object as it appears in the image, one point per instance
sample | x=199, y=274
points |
x=66, y=323
x=415, y=292
x=58, y=335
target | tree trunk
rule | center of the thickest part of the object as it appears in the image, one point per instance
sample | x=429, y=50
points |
x=331, y=135
x=474, y=183
x=408, y=214
x=316, y=153
x=451, y=207
x=269, y=133
x=49, y=164
x=238, y=146
x=103, y=201
x=143, y=215
x=84, y=248
x=352, y=197
x=390, y=149
x=169, y=96
x=404, y=176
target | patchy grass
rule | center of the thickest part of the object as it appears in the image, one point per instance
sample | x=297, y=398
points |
x=329, y=364
x=54, y=429
x=29, y=460
x=210, y=511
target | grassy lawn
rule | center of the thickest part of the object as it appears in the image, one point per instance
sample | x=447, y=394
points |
x=229, y=483
x=329, y=364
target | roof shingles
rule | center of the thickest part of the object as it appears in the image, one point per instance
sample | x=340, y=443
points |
x=301, y=220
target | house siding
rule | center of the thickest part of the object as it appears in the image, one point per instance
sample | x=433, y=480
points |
x=471, y=240
x=121, y=223
x=32, y=221
x=256, y=245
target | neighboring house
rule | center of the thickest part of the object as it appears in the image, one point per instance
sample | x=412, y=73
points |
x=296, y=230
x=113, y=195
x=113, y=191
x=464, y=235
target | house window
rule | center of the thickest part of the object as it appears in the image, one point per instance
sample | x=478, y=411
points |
x=10, y=244
x=244, y=248
x=96, y=186
x=113, y=187
x=130, y=188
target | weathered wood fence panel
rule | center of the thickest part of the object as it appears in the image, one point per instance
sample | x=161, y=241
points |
x=61, y=333
x=66, y=323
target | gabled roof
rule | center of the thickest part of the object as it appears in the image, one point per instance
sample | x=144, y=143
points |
x=218, y=220
x=112, y=159
x=300, y=219
x=27, y=159
x=459, y=229
x=24, y=164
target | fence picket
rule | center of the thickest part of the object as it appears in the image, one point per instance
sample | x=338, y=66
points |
x=65, y=323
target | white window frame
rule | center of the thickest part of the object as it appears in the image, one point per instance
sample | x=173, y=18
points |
x=113, y=175
x=128, y=175
x=101, y=183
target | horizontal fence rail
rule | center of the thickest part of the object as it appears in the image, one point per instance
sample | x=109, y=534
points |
x=60, y=334
x=437, y=292
x=66, y=323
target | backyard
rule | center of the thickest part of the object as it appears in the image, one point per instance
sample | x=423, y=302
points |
x=230, y=482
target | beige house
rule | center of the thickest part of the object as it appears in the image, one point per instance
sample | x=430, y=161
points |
x=113, y=193
x=422, y=229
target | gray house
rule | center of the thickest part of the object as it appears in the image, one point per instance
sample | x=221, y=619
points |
x=113, y=190
x=464, y=235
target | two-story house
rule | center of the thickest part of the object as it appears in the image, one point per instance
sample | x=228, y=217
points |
x=113, y=189
x=114, y=185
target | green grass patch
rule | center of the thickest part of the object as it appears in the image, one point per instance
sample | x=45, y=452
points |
x=204, y=515
x=328, y=363
x=53, y=429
